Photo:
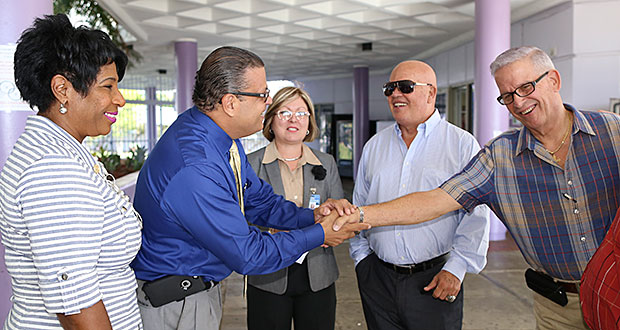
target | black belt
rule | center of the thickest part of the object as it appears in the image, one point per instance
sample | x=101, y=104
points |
x=410, y=269
x=210, y=284
x=571, y=287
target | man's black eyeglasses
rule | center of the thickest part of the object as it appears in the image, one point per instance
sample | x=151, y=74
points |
x=264, y=95
x=404, y=86
x=523, y=91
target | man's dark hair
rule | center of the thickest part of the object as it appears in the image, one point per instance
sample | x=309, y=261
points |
x=223, y=71
x=53, y=46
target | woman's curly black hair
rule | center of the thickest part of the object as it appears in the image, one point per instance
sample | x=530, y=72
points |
x=53, y=46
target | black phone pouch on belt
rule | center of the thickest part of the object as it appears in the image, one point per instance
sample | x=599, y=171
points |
x=544, y=285
x=172, y=288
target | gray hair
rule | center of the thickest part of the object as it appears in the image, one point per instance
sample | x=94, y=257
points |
x=539, y=58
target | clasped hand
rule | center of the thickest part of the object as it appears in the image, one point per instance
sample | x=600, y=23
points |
x=327, y=213
x=341, y=206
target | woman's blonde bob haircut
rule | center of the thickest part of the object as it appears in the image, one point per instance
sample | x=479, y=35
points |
x=282, y=98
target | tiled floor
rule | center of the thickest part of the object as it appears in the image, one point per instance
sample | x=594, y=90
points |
x=497, y=298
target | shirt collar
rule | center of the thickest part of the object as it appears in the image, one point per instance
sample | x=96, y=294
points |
x=307, y=156
x=46, y=126
x=527, y=141
x=425, y=128
x=221, y=140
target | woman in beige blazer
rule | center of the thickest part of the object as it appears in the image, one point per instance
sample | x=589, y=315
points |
x=305, y=291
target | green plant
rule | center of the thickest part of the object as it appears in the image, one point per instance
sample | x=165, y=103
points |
x=111, y=161
x=136, y=158
x=98, y=18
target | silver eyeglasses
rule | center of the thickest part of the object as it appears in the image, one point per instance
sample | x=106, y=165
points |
x=288, y=114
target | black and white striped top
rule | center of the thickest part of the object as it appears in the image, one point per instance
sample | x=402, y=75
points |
x=69, y=234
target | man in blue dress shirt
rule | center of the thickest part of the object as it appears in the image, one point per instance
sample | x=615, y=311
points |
x=410, y=276
x=196, y=207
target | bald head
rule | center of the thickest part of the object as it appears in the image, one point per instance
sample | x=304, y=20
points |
x=416, y=71
x=414, y=108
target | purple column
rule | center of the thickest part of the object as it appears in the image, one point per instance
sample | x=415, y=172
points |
x=15, y=16
x=186, y=51
x=490, y=118
x=361, y=125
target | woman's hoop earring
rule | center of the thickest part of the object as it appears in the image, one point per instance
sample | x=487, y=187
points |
x=62, y=109
x=307, y=132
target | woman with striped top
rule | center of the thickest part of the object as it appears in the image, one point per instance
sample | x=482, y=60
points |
x=69, y=233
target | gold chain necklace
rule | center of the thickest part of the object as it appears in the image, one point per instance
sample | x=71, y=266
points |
x=552, y=153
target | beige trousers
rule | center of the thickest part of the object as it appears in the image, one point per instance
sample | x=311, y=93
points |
x=551, y=316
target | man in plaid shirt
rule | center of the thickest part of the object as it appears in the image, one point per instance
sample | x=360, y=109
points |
x=554, y=183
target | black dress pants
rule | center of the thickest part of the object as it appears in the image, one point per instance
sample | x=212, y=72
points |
x=309, y=310
x=393, y=300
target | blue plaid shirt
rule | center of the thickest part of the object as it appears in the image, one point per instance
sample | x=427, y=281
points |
x=558, y=217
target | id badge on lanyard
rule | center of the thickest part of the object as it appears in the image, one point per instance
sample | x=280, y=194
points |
x=315, y=199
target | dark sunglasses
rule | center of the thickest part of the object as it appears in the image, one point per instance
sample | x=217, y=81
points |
x=404, y=86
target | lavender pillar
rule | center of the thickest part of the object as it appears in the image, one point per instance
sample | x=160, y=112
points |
x=15, y=16
x=361, y=125
x=186, y=51
x=492, y=38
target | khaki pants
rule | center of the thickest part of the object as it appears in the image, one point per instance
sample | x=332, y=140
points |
x=551, y=316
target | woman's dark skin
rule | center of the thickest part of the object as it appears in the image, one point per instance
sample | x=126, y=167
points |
x=86, y=117
x=94, y=317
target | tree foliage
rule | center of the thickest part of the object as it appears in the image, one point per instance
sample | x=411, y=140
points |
x=98, y=18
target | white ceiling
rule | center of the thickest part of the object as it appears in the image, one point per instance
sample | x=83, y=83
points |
x=300, y=38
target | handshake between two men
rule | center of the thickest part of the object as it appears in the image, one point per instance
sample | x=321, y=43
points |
x=331, y=210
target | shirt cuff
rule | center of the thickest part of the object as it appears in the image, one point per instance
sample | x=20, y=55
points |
x=358, y=248
x=306, y=218
x=315, y=236
x=456, y=267
x=361, y=255
x=70, y=291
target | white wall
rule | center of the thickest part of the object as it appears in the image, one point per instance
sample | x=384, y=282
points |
x=596, y=53
x=340, y=92
x=454, y=67
x=581, y=36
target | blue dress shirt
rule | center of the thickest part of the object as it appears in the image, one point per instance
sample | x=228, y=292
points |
x=388, y=170
x=187, y=196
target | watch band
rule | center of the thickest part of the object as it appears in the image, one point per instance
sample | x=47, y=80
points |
x=361, y=213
